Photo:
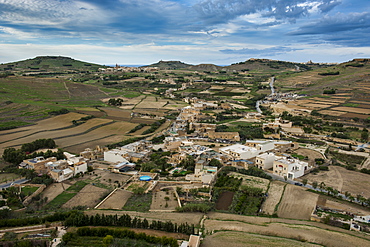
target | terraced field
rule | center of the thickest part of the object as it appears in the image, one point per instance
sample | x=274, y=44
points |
x=61, y=129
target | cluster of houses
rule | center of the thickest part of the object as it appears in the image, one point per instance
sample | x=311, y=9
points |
x=181, y=138
x=269, y=155
x=58, y=170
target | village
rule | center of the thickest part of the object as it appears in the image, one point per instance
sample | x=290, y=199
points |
x=184, y=167
x=200, y=152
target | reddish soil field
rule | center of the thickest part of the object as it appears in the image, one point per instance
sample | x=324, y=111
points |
x=225, y=200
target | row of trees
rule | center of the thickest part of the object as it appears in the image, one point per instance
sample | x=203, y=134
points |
x=58, y=216
x=330, y=191
x=80, y=219
x=109, y=234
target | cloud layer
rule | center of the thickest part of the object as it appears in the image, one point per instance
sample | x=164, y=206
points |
x=231, y=29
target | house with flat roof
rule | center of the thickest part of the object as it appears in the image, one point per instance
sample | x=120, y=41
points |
x=265, y=161
x=240, y=152
x=37, y=164
x=289, y=167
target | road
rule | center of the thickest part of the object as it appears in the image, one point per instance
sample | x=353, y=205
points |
x=19, y=181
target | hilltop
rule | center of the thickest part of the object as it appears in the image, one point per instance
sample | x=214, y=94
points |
x=169, y=65
x=49, y=64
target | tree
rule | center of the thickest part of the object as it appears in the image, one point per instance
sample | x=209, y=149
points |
x=107, y=240
x=365, y=135
x=10, y=236
x=322, y=186
x=304, y=181
x=314, y=184
x=215, y=162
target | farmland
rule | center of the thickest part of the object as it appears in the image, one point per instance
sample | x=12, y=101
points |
x=103, y=108
x=241, y=239
x=343, y=180
x=275, y=193
x=297, y=203
x=284, y=229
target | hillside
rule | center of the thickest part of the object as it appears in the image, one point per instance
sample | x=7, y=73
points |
x=349, y=76
x=49, y=64
x=170, y=65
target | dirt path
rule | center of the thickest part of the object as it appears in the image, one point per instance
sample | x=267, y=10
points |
x=69, y=93
x=274, y=194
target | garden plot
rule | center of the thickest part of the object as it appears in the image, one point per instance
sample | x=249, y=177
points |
x=54, y=190
x=107, y=178
x=274, y=195
x=164, y=201
x=252, y=181
x=117, y=200
x=297, y=203
x=89, y=196
x=137, y=185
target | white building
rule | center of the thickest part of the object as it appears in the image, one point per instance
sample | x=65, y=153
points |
x=289, y=167
x=262, y=146
x=265, y=161
x=240, y=152
x=204, y=174
x=115, y=156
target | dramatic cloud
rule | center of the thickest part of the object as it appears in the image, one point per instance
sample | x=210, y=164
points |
x=236, y=28
x=272, y=51
x=347, y=29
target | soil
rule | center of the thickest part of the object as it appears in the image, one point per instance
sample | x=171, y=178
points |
x=274, y=194
x=159, y=201
x=225, y=200
x=343, y=180
x=311, y=154
x=53, y=190
x=117, y=200
x=89, y=196
x=242, y=239
x=304, y=231
x=297, y=203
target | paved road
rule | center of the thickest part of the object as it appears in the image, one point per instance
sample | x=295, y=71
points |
x=19, y=181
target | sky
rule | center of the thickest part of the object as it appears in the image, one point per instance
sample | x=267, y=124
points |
x=221, y=32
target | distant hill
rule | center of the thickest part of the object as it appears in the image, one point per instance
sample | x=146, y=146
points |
x=206, y=67
x=49, y=64
x=263, y=65
x=170, y=65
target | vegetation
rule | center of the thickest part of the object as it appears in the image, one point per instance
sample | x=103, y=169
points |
x=80, y=219
x=247, y=201
x=139, y=202
x=121, y=234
